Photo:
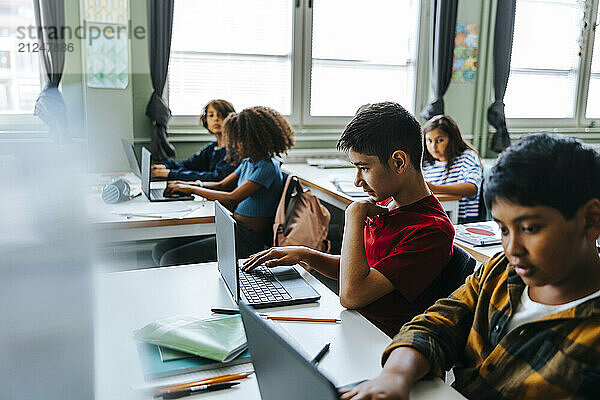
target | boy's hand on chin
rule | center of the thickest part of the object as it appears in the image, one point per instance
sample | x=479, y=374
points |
x=364, y=209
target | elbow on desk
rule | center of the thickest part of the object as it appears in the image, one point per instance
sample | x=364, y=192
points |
x=350, y=302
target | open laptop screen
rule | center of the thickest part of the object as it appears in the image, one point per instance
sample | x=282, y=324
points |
x=226, y=251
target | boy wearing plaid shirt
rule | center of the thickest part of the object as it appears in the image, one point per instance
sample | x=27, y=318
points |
x=527, y=323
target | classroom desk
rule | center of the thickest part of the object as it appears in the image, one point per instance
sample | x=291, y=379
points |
x=128, y=300
x=480, y=253
x=179, y=218
x=319, y=181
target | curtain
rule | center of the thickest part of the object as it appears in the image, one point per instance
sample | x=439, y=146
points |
x=160, y=23
x=50, y=106
x=503, y=40
x=444, y=27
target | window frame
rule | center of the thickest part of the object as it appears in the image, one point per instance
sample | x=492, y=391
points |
x=579, y=119
x=300, y=117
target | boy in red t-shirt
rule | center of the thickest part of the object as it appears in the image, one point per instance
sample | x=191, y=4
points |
x=390, y=255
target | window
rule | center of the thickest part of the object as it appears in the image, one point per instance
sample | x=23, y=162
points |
x=314, y=62
x=593, y=101
x=544, y=62
x=19, y=70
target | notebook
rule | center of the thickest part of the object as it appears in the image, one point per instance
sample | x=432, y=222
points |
x=154, y=367
x=485, y=233
x=156, y=194
x=262, y=287
x=220, y=339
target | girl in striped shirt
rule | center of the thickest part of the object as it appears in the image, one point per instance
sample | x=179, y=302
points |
x=452, y=166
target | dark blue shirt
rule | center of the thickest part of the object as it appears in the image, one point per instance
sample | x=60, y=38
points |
x=207, y=165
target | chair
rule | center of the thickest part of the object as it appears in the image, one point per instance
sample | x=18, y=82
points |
x=460, y=266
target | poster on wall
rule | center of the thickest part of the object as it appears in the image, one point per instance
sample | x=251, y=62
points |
x=464, y=64
x=106, y=49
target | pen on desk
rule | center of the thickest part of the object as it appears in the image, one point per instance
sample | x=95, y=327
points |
x=175, y=394
x=304, y=319
x=320, y=354
x=129, y=215
x=208, y=381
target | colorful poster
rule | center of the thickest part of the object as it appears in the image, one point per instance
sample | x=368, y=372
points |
x=106, y=11
x=464, y=63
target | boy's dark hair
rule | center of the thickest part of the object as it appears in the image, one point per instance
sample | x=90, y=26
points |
x=223, y=107
x=547, y=170
x=257, y=132
x=456, y=143
x=380, y=129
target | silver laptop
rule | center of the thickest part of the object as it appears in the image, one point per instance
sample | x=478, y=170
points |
x=131, y=158
x=281, y=371
x=156, y=194
x=262, y=287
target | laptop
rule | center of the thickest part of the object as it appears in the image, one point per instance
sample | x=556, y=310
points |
x=156, y=194
x=281, y=371
x=130, y=153
x=262, y=287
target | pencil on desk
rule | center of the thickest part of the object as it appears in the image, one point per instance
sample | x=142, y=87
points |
x=207, y=381
x=303, y=319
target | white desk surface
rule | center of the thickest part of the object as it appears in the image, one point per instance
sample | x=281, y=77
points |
x=126, y=301
x=179, y=218
x=319, y=180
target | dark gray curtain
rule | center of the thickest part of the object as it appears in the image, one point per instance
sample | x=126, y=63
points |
x=444, y=28
x=503, y=40
x=160, y=23
x=50, y=106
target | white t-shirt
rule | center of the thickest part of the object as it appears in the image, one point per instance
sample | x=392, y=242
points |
x=528, y=310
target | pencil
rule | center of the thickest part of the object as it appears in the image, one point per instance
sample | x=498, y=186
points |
x=207, y=381
x=303, y=319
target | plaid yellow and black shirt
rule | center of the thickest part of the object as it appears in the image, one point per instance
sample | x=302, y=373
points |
x=556, y=357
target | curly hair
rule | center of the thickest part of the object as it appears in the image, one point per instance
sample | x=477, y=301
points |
x=257, y=132
x=456, y=143
x=223, y=108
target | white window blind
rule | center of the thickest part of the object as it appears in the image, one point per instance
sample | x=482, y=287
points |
x=237, y=50
x=593, y=102
x=362, y=52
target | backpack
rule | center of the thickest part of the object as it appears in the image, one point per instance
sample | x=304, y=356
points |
x=301, y=220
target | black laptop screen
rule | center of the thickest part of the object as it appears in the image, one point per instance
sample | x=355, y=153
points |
x=226, y=252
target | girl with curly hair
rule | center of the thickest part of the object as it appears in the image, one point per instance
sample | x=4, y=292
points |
x=255, y=136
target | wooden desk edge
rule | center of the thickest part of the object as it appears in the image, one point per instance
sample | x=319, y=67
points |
x=154, y=222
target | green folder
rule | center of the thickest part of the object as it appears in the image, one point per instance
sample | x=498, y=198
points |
x=220, y=339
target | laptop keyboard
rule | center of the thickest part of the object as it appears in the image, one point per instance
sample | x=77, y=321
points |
x=260, y=286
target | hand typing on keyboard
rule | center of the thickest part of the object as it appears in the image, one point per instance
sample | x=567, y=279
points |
x=278, y=256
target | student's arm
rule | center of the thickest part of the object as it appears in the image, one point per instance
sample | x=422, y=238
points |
x=217, y=190
x=404, y=367
x=469, y=179
x=463, y=189
x=326, y=264
x=359, y=284
x=221, y=170
x=428, y=344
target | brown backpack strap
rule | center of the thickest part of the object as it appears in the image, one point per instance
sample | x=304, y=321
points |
x=280, y=213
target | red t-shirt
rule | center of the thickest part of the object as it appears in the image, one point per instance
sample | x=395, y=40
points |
x=410, y=246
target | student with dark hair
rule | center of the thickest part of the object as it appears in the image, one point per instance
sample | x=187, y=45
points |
x=451, y=165
x=526, y=324
x=209, y=164
x=390, y=255
x=255, y=135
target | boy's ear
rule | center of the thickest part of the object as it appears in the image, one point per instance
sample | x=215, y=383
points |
x=399, y=161
x=591, y=215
